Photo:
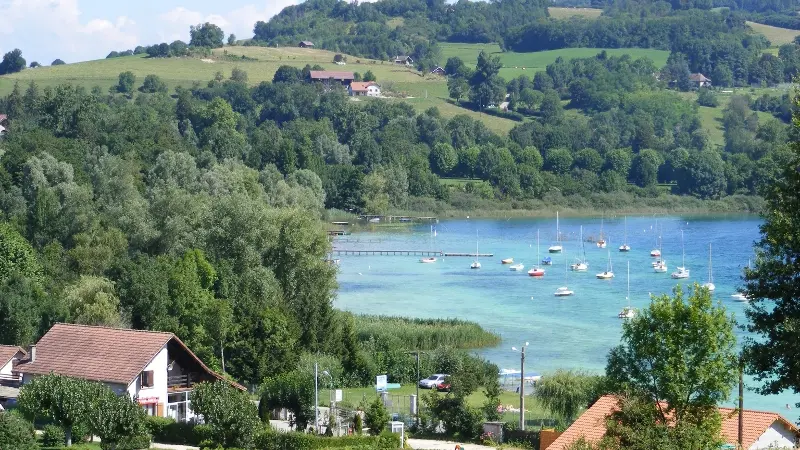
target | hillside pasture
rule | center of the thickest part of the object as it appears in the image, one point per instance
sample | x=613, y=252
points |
x=566, y=13
x=776, y=35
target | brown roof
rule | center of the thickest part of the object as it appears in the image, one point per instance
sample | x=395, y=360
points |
x=698, y=77
x=112, y=355
x=8, y=352
x=361, y=86
x=328, y=74
x=3, y=117
x=591, y=425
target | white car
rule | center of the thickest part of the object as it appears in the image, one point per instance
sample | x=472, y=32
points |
x=432, y=381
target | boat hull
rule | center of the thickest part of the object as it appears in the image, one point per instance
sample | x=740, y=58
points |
x=507, y=261
x=655, y=253
x=625, y=248
x=427, y=260
x=538, y=273
x=555, y=249
x=710, y=287
x=605, y=275
x=601, y=244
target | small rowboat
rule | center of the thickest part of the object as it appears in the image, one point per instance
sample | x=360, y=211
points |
x=507, y=261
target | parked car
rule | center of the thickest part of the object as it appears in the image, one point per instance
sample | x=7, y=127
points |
x=444, y=386
x=432, y=381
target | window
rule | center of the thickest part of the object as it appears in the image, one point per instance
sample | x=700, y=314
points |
x=146, y=378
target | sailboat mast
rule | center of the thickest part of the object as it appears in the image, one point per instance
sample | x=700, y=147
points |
x=629, y=285
x=683, y=251
x=626, y=231
x=558, y=232
x=537, y=247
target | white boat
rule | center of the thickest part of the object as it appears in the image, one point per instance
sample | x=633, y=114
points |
x=476, y=264
x=536, y=271
x=507, y=261
x=556, y=248
x=628, y=312
x=609, y=272
x=517, y=267
x=682, y=272
x=710, y=283
x=625, y=247
x=656, y=252
x=430, y=260
x=660, y=267
x=375, y=220
x=739, y=297
x=580, y=265
x=564, y=291
x=601, y=243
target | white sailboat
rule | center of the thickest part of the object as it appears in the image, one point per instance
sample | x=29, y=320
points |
x=601, y=243
x=628, y=312
x=430, y=260
x=557, y=248
x=564, y=291
x=625, y=247
x=476, y=264
x=536, y=271
x=710, y=283
x=656, y=252
x=681, y=272
x=581, y=265
x=609, y=273
x=659, y=266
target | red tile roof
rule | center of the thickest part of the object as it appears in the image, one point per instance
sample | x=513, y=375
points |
x=8, y=352
x=591, y=425
x=361, y=86
x=328, y=74
x=698, y=77
x=112, y=355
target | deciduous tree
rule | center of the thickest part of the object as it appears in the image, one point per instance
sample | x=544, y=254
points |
x=229, y=412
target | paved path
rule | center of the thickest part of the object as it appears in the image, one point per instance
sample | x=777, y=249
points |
x=172, y=447
x=429, y=444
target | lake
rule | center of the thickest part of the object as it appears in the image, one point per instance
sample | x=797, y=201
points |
x=566, y=332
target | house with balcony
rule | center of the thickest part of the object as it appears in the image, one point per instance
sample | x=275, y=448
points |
x=155, y=368
x=9, y=379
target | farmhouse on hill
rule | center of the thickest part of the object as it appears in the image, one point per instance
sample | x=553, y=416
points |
x=699, y=80
x=329, y=78
x=364, y=88
x=306, y=44
x=153, y=367
x=404, y=60
x=9, y=380
x=762, y=430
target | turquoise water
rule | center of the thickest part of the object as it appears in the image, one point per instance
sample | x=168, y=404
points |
x=570, y=332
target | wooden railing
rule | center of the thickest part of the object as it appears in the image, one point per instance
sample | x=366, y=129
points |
x=10, y=380
x=181, y=381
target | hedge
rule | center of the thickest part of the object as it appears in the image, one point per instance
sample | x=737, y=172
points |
x=168, y=431
x=301, y=441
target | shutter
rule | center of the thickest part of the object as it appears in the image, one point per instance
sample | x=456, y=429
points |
x=149, y=375
x=160, y=410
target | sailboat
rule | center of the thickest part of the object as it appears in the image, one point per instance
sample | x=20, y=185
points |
x=628, y=312
x=507, y=261
x=430, y=260
x=740, y=296
x=625, y=247
x=601, y=243
x=476, y=264
x=557, y=248
x=564, y=291
x=581, y=266
x=609, y=273
x=656, y=252
x=710, y=284
x=682, y=271
x=536, y=271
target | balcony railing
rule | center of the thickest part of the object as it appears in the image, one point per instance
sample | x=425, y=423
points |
x=13, y=380
x=181, y=381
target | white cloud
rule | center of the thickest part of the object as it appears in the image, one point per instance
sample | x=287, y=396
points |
x=49, y=29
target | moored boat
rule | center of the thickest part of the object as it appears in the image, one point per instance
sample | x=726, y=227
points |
x=428, y=260
x=517, y=267
x=507, y=261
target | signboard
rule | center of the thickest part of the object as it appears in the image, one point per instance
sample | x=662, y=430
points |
x=148, y=400
x=336, y=395
x=380, y=383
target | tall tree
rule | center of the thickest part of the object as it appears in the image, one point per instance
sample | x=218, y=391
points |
x=12, y=62
x=206, y=35
x=64, y=400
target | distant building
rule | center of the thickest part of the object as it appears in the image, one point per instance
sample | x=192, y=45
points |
x=3, y=123
x=438, y=71
x=699, y=80
x=155, y=368
x=404, y=60
x=364, y=89
x=9, y=380
x=306, y=44
x=330, y=78
x=761, y=430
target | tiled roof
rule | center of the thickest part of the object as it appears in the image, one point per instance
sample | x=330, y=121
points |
x=328, y=74
x=306, y=42
x=7, y=352
x=591, y=425
x=361, y=85
x=698, y=77
x=105, y=354
x=3, y=117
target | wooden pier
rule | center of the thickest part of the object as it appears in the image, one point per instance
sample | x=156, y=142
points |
x=348, y=252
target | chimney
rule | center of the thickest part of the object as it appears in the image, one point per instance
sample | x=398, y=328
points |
x=32, y=353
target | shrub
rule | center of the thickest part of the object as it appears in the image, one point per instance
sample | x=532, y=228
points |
x=376, y=417
x=357, y=425
x=167, y=431
x=231, y=416
x=52, y=436
x=16, y=433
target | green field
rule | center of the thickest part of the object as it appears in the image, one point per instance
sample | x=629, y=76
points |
x=516, y=64
x=777, y=36
x=566, y=13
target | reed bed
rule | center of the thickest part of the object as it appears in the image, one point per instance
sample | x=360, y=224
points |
x=424, y=334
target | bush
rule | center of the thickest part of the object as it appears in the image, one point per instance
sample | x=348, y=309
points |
x=128, y=443
x=168, y=431
x=376, y=417
x=272, y=440
x=358, y=427
x=52, y=436
x=16, y=433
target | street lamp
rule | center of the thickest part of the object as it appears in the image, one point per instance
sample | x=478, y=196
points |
x=521, y=385
x=316, y=395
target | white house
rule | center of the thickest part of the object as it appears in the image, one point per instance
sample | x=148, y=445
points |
x=368, y=88
x=761, y=430
x=9, y=380
x=154, y=368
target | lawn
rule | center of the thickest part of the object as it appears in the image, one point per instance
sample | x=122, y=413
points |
x=516, y=64
x=777, y=36
x=566, y=13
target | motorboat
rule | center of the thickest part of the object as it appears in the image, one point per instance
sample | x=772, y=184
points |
x=681, y=272
x=507, y=261
x=739, y=297
x=547, y=261
x=517, y=267
x=710, y=283
x=555, y=249
x=563, y=291
x=428, y=260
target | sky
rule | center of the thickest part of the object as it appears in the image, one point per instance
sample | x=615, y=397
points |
x=81, y=30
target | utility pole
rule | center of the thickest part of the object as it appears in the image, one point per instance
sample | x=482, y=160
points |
x=417, y=356
x=522, y=390
x=316, y=401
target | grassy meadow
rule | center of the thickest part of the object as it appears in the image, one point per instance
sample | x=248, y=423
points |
x=566, y=13
x=777, y=36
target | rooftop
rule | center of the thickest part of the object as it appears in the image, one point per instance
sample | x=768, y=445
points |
x=361, y=85
x=7, y=352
